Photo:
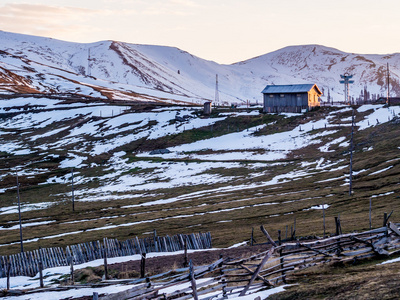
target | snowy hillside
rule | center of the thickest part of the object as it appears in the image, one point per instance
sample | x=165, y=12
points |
x=233, y=161
x=226, y=173
x=118, y=70
x=323, y=65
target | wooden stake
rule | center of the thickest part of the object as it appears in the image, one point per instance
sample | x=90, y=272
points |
x=256, y=272
x=279, y=238
x=19, y=217
x=41, y=268
x=193, y=281
x=72, y=270
x=72, y=190
x=337, y=225
x=323, y=215
x=155, y=240
x=8, y=272
x=351, y=155
x=370, y=213
x=105, y=263
x=224, y=284
x=185, y=262
x=294, y=229
x=143, y=265
x=282, y=267
x=268, y=236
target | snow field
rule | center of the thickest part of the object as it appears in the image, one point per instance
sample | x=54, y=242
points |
x=112, y=126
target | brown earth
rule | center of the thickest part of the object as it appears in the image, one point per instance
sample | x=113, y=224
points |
x=161, y=264
x=157, y=265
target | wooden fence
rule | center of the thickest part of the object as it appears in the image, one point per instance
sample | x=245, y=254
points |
x=27, y=263
x=267, y=269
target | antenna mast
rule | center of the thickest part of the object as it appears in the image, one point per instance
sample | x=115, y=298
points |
x=388, y=74
x=216, y=91
x=346, y=81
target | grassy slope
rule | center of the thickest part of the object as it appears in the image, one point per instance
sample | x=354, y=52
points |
x=366, y=280
x=288, y=199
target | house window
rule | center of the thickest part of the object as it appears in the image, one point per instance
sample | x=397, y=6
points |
x=282, y=95
x=271, y=96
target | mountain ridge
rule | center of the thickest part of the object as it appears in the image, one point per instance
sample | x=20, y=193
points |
x=118, y=70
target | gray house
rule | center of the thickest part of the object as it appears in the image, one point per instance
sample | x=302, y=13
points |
x=290, y=98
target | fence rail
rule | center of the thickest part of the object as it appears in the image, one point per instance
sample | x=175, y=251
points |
x=245, y=275
x=269, y=268
x=27, y=263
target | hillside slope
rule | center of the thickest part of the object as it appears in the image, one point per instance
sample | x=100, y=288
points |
x=117, y=70
x=225, y=174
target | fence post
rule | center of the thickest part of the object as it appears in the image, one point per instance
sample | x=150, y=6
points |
x=384, y=219
x=72, y=189
x=279, y=238
x=337, y=225
x=155, y=241
x=95, y=296
x=224, y=294
x=323, y=217
x=40, y=266
x=41, y=269
x=294, y=229
x=252, y=236
x=193, y=281
x=19, y=217
x=8, y=272
x=105, y=262
x=142, y=265
x=72, y=270
x=185, y=261
x=282, y=267
x=370, y=213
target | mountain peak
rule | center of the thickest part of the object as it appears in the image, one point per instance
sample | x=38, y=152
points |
x=114, y=69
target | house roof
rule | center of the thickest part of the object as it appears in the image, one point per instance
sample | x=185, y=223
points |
x=290, y=88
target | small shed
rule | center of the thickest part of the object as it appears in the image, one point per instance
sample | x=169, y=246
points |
x=291, y=98
x=207, y=108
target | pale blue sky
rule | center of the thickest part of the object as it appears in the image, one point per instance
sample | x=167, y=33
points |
x=225, y=31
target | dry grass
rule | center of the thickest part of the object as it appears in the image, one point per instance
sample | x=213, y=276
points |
x=364, y=281
x=275, y=205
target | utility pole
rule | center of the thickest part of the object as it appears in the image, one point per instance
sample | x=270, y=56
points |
x=346, y=81
x=19, y=216
x=388, y=74
x=72, y=190
x=216, y=100
x=351, y=155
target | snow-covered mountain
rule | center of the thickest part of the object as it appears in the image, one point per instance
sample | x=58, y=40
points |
x=117, y=70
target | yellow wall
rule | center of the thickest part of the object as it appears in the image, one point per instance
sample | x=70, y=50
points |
x=313, y=98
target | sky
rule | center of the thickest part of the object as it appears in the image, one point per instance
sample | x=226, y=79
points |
x=225, y=31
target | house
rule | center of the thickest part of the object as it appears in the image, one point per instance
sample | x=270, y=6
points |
x=291, y=98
